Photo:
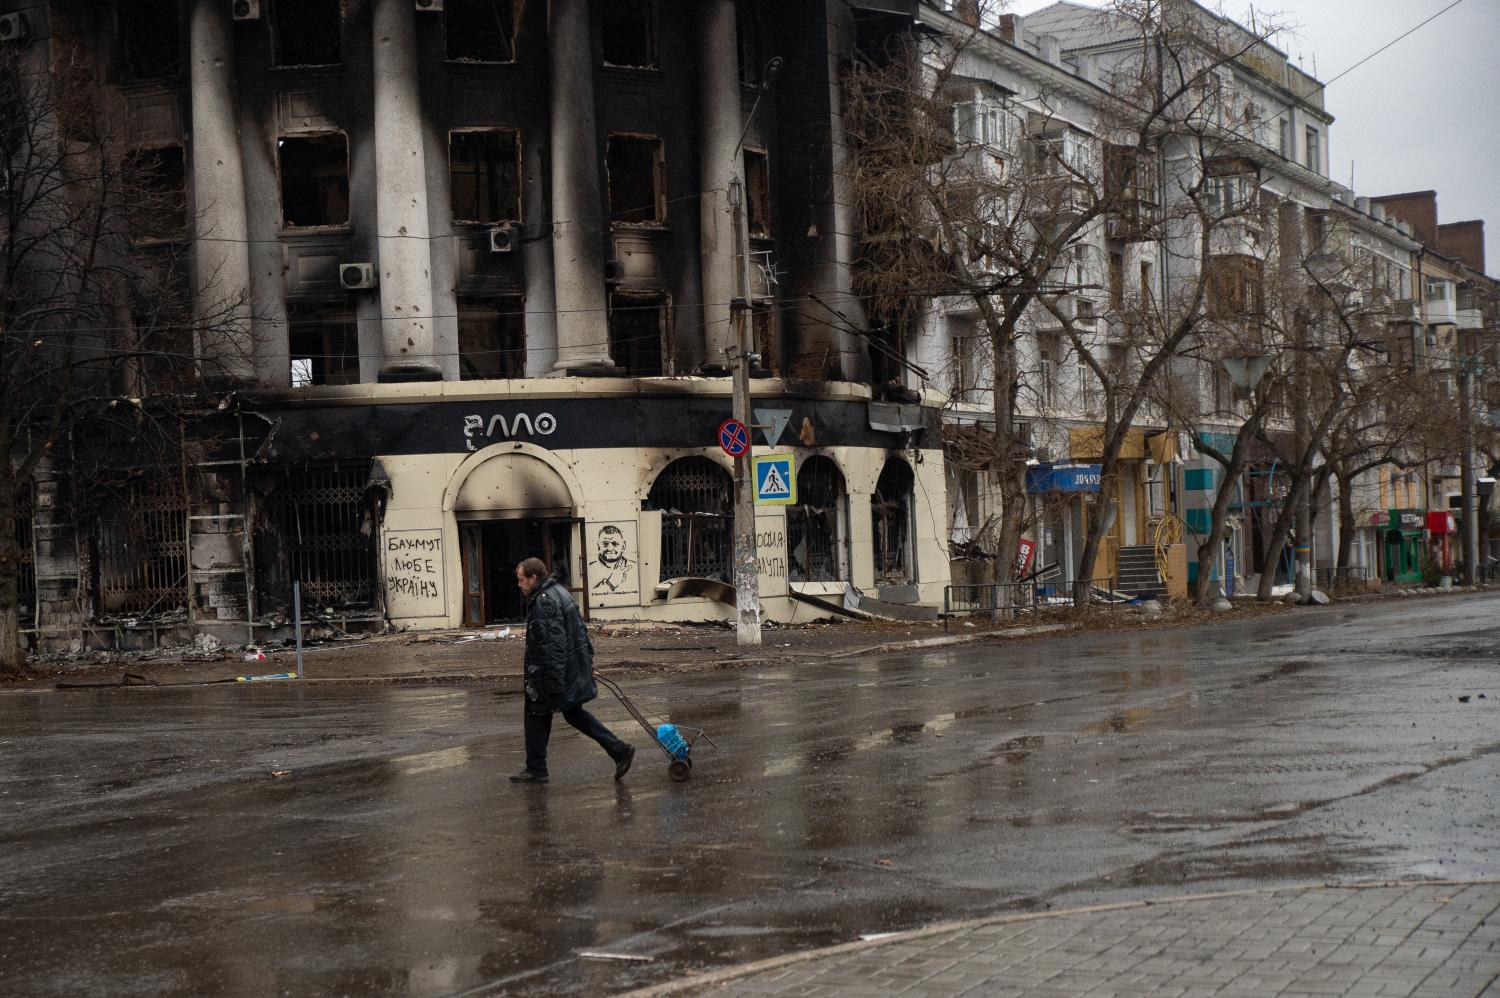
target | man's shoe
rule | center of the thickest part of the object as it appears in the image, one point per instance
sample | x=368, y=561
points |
x=622, y=764
x=528, y=776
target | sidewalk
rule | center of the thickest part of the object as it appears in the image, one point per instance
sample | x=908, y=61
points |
x=1429, y=938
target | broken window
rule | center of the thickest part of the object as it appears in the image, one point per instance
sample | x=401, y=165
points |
x=324, y=346
x=758, y=194
x=763, y=324
x=156, y=181
x=491, y=339
x=635, y=180
x=1233, y=287
x=314, y=180
x=483, y=171
x=317, y=528
x=815, y=525
x=890, y=512
x=636, y=328
x=480, y=30
x=306, y=32
x=152, y=40
x=630, y=33
x=748, y=29
x=696, y=500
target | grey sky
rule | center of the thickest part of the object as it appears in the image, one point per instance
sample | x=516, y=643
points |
x=1424, y=114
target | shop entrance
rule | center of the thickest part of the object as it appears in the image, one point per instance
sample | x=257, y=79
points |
x=491, y=550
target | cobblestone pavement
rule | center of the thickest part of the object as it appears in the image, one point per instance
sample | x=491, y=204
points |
x=1417, y=939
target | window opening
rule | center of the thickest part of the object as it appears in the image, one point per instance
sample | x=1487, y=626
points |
x=1117, y=280
x=1313, y=153
x=306, y=32
x=630, y=33
x=695, y=497
x=752, y=60
x=314, y=180
x=141, y=547
x=815, y=524
x=324, y=346
x=491, y=339
x=636, y=327
x=763, y=319
x=480, y=30
x=890, y=510
x=635, y=181
x=315, y=531
x=150, y=32
x=758, y=194
x=484, y=176
x=157, y=180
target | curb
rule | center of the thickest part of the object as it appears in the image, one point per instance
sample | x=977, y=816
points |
x=717, y=978
x=918, y=644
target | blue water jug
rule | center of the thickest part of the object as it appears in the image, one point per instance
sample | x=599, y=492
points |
x=671, y=740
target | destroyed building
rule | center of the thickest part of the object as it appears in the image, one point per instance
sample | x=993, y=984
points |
x=483, y=261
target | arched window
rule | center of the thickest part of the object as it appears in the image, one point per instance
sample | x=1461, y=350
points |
x=814, y=526
x=890, y=512
x=696, y=499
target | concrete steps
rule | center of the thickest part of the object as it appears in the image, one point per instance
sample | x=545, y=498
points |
x=1138, y=575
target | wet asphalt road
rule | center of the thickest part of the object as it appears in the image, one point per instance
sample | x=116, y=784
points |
x=149, y=848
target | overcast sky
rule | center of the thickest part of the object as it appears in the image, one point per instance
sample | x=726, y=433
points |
x=1424, y=114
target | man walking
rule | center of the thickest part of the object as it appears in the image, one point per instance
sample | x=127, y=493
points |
x=559, y=670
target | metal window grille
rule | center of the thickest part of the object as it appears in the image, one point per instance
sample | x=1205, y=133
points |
x=318, y=514
x=812, y=526
x=696, y=499
x=142, y=550
x=26, y=555
x=890, y=509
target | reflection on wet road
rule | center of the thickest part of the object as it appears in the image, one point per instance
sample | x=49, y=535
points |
x=364, y=840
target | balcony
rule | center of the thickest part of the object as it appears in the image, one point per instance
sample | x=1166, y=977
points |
x=1470, y=318
x=1439, y=311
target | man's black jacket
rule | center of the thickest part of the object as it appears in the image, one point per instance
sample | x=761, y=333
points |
x=559, y=654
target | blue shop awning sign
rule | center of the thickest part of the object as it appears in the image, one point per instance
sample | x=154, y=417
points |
x=1063, y=478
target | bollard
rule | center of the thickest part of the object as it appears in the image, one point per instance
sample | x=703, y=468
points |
x=297, y=613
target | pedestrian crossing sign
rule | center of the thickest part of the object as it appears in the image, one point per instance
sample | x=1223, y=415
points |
x=775, y=480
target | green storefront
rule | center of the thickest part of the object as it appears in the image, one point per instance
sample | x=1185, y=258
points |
x=1401, y=547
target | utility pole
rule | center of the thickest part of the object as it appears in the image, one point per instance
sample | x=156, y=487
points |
x=1470, y=508
x=746, y=564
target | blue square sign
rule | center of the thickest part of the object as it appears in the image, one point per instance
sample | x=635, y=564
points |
x=775, y=480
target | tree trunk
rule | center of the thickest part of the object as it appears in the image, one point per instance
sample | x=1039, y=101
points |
x=1208, y=551
x=1346, y=524
x=12, y=661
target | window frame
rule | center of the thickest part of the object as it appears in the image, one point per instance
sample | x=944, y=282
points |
x=273, y=24
x=471, y=309
x=515, y=134
x=449, y=57
x=281, y=140
x=124, y=37
x=325, y=316
x=653, y=36
x=658, y=181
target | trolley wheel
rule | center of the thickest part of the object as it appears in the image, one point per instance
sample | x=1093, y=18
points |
x=680, y=769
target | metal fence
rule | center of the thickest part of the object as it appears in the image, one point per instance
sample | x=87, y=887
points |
x=142, y=550
x=318, y=514
x=26, y=556
x=1329, y=577
x=1001, y=601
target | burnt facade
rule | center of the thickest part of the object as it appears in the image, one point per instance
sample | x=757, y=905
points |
x=467, y=274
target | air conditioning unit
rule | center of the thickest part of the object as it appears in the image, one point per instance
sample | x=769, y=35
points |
x=245, y=10
x=502, y=238
x=614, y=272
x=430, y=6
x=14, y=28
x=357, y=276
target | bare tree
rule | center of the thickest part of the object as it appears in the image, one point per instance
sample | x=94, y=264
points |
x=96, y=346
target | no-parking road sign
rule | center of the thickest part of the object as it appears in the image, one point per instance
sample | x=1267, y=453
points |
x=734, y=438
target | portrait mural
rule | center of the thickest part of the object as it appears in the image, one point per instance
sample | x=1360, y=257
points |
x=614, y=577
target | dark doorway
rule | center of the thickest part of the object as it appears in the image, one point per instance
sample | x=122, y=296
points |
x=491, y=551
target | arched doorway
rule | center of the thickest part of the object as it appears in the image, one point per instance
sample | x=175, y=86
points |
x=696, y=500
x=510, y=507
x=891, y=516
x=815, y=526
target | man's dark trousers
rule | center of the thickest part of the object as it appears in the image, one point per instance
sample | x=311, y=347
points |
x=539, y=729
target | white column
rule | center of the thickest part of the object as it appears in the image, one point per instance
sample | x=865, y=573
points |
x=578, y=207
x=402, y=233
x=720, y=165
x=224, y=344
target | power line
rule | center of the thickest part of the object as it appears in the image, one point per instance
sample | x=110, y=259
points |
x=1393, y=41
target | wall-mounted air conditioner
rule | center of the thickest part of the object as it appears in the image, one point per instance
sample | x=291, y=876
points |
x=357, y=276
x=502, y=238
x=245, y=10
x=14, y=28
